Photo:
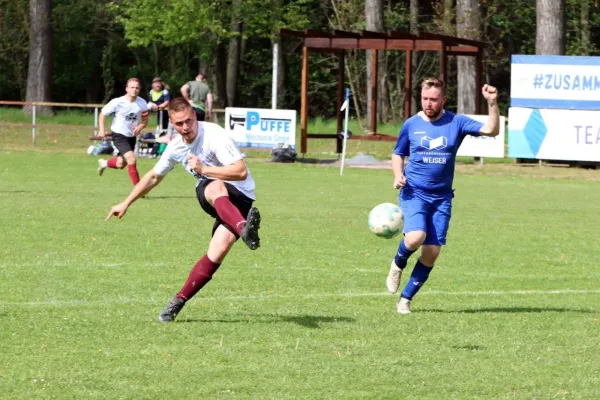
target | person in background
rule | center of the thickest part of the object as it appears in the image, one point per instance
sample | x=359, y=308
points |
x=131, y=117
x=200, y=97
x=158, y=100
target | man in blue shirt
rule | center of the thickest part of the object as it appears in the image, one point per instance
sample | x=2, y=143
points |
x=430, y=140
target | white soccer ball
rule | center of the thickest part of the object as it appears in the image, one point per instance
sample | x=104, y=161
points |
x=385, y=220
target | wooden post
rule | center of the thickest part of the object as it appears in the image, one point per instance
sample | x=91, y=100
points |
x=479, y=81
x=304, y=101
x=407, y=83
x=443, y=64
x=340, y=99
x=374, y=90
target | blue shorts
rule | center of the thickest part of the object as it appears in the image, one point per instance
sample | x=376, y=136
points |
x=426, y=212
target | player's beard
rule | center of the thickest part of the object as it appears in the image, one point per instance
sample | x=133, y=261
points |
x=436, y=113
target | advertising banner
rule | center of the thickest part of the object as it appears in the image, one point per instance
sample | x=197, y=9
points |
x=262, y=128
x=572, y=135
x=564, y=82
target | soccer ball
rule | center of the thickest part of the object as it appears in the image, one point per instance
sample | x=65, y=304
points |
x=385, y=220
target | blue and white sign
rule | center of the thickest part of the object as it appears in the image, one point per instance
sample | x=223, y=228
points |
x=565, y=82
x=572, y=135
x=484, y=146
x=262, y=128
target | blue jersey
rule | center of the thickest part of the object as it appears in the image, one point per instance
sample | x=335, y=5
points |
x=431, y=149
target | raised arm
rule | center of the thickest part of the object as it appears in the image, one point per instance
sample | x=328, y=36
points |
x=492, y=126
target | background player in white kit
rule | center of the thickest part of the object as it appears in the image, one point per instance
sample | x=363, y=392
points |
x=224, y=188
x=131, y=116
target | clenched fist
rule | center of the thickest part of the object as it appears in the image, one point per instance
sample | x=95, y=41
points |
x=489, y=92
x=195, y=164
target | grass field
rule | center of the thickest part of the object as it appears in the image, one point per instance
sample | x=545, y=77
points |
x=511, y=310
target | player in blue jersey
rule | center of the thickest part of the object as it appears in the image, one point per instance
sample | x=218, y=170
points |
x=430, y=140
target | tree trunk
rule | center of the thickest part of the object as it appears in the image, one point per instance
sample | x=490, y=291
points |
x=374, y=17
x=550, y=27
x=414, y=29
x=467, y=26
x=233, y=56
x=447, y=21
x=219, y=75
x=39, y=71
x=585, y=27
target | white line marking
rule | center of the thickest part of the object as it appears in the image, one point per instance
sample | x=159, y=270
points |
x=70, y=264
x=84, y=303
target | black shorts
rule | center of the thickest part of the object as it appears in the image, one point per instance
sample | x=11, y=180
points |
x=200, y=114
x=242, y=202
x=123, y=143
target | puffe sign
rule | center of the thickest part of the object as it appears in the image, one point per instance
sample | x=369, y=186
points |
x=260, y=127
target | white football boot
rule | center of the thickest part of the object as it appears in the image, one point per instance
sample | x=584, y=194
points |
x=393, y=279
x=403, y=306
x=101, y=166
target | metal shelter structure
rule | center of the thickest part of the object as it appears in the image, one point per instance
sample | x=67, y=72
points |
x=339, y=41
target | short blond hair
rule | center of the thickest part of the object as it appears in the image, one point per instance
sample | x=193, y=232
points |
x=133, y=80
x=429, y=83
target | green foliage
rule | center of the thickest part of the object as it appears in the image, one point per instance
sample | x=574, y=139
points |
x=97, y=45
x=14, y=47
x=167, y=22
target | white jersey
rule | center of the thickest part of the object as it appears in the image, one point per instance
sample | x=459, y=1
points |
x=127, y=115
x=213, y=146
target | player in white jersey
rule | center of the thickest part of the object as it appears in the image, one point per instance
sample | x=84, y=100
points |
x=224, y=188
x=131, y=116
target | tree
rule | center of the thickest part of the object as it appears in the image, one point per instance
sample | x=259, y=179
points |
x=14, y=37
x=467, y=26
x=374, y=19
x=550, y=32
x=233, y=54
x=585, y=27
x=414, y=29
x=39, y=71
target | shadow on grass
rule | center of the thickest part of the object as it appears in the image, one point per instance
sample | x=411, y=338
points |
x=469, y=347
x=15, y=191
x=307, y=160
x=509, y=310
x=307, y=321
x=151, y=197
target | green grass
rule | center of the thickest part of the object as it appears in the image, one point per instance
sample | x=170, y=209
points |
x=510, y=311
x=64, y=116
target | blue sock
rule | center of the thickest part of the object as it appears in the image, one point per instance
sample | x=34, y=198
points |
x=417, y=279
x=402, y=255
